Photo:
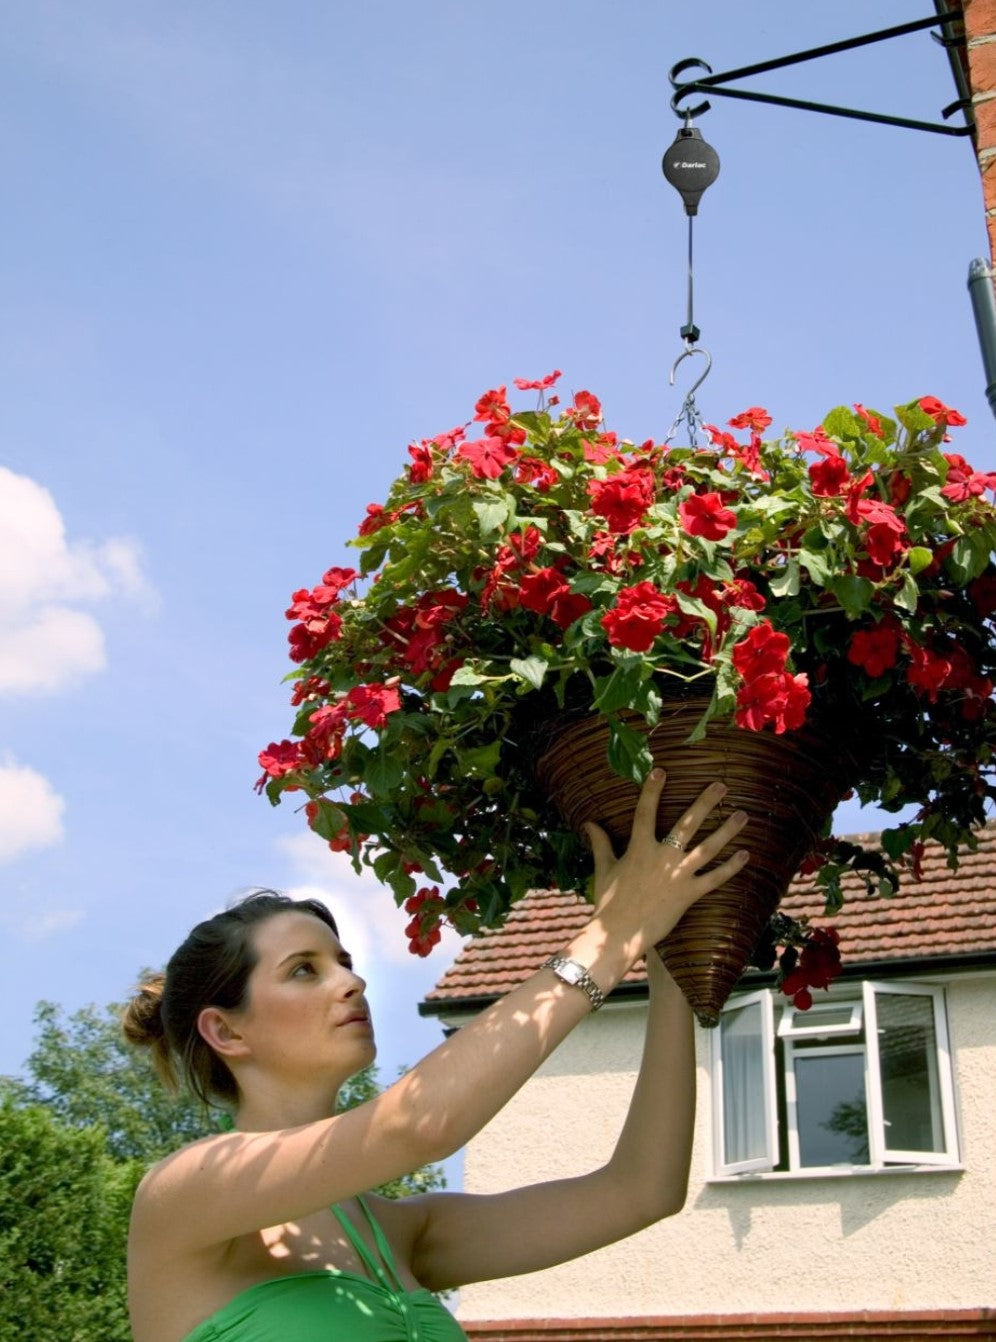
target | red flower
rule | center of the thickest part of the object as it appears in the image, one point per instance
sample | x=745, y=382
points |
x=542, y=384
x=928, y=670
x=533, y=471
x=817, y=967
x=637, y=617
x=829, y=476
x=488, y=457
x=963, y=481
x=547, y=593
x=941, y=413
x=982, y=593
x=875, y=650
x=624, y=498
x=307, y=640
x=704, y=515
x=884, y=543
x=754, y=418
x=421, y=468
x=724, y=441
x=817, y=441
x=761, y=652
x=493, y=405
x=586, y=411
x=278, y=759
x=776, y=697
x=872, y=422
x=372, y=703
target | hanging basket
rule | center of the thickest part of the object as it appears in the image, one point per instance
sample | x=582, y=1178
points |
x=789, y=786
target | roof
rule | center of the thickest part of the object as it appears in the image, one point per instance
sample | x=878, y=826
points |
x=948, y=916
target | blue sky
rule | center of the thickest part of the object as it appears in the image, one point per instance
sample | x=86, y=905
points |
x=252, y=251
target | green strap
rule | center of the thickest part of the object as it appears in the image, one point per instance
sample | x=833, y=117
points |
x=369, y=1262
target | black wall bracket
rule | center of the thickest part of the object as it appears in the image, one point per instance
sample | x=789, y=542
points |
x=716, y=84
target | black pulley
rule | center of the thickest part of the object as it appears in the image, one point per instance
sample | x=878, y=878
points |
x=690, y=165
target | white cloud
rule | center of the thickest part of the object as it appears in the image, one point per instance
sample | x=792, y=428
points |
x=371, y=924
x=38, y=925
x=30, y=810
x=46, y=644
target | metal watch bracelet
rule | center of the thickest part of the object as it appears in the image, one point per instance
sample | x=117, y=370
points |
x=574, y=973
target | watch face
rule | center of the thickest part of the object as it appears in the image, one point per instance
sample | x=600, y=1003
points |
x=571, y=972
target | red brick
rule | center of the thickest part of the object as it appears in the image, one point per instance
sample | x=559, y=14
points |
x=947, y=913
x=980, y=17
x=982, y=66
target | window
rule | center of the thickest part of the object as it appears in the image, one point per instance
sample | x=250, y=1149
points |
x=861, y=1081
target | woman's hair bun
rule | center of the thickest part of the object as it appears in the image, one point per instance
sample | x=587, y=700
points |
x=142, y=1018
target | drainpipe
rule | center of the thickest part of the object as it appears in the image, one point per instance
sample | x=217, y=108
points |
x=980, y=286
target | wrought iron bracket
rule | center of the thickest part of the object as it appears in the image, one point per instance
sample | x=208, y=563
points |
x=716, y=83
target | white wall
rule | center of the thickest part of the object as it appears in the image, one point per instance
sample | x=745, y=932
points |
x=888, y=1241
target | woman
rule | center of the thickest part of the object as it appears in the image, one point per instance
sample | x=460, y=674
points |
x=262, y=1234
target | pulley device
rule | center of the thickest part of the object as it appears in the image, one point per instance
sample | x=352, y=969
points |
x=690, y=165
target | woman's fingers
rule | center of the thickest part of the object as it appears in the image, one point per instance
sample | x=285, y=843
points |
x=601, y=846
x=712, y=880
x=645, y=815
x=687, y=827
x=706, y=849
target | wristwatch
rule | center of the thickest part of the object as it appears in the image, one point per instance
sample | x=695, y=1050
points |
x=573, y=972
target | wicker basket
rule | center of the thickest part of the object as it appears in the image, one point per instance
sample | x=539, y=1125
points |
x=789, y=785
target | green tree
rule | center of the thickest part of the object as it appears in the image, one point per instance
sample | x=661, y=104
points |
x=76, y=1136
x=84, y=1071
x=64, y=1206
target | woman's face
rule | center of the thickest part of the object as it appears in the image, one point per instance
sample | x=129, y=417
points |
x=306, y=1008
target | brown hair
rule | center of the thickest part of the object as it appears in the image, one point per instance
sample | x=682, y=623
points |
x=211, y=968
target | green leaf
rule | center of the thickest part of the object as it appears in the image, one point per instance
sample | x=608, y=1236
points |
x=968, y=558
x=466, y=675
x=628, y=753
x=383, y=773
x=328, y=821
x=530, y=669
x=853, y=592
x=919, y=557
x=492, y=514
x=816, y=566
x=619, y=689
x=481, y=761
x=915, y=420
x=909, y=594
x=842, y=423
x=786, y=583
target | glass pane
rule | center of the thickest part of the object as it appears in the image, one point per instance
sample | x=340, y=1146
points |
x=911, y=1100
x=831, y=1112
x=742, y=1043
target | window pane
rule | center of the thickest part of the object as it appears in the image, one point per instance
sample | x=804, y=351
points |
x=831, y=1111
x=742, y=1043
x=911, y=1101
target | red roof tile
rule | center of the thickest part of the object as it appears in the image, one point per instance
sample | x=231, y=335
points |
x=947, y=913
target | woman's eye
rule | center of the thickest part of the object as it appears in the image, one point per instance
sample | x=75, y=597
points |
x=305, y=965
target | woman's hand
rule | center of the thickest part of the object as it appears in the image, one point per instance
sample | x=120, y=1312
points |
x=642, y=894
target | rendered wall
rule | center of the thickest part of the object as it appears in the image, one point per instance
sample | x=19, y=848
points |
x=875, y=1242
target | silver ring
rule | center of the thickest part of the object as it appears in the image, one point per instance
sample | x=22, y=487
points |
x=672, y=842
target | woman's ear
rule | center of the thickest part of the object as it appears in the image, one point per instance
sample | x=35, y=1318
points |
x=218, y=1032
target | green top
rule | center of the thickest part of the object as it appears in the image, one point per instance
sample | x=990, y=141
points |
x=333, y=1306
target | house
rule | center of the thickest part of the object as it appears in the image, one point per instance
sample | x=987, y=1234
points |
x=844, y=1169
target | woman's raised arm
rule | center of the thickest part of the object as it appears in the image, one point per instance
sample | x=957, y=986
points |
x=228, y=1185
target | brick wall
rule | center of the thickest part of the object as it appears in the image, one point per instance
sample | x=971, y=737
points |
x=870, y=1326
x=980, y=30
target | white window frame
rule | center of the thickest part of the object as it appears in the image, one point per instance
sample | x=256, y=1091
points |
x=878, y=1135
x=795, y=1025
x=763, y=999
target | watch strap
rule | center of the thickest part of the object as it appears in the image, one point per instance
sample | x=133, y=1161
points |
x=574, y=973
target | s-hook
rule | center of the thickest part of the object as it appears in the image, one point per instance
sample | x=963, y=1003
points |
x=689, y=411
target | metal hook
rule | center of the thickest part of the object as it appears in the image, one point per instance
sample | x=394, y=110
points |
x=692, y=349
x=686, y=87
